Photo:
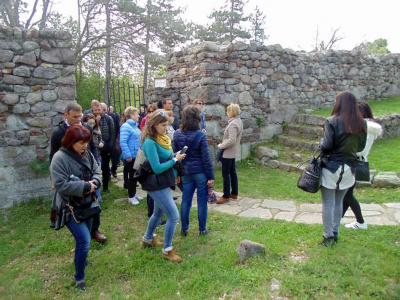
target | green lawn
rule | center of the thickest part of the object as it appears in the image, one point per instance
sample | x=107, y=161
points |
x=37, y=262
x=379, y=107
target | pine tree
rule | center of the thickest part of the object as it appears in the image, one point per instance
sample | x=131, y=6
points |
x=257, y=26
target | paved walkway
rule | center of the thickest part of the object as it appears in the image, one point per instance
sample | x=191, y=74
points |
x=309, y=213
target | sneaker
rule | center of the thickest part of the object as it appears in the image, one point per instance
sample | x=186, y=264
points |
x=153, y=243
x=171, y=255
x=184, y=232
x=330, y=241
x=356, y=225
x=138, y=197
x=204, y=232
x=133, y=201
x=80, y=285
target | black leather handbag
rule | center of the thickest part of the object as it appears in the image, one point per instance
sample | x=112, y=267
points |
x=309, y=180
x=362, y=170
x=151, y=181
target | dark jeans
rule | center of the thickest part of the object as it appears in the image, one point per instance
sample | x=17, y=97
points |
x=125, y=175
x=96, y=218
x=114, y=160
x=350, y=200
x=230, y=177
x=131, y=182
x=105, y=168
x=150, y=205
x=81, y=233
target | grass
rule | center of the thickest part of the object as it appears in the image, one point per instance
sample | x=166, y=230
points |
x=379, y=107
x=384, y=155
x=38, y=263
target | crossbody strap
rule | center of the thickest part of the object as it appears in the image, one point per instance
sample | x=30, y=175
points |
x=194, y=143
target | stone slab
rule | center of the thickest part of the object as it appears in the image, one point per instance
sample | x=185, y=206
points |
x=392, y=205
x=379, y=221
x=246, y=203
x=309, y=218
x=311, y=208
x=228, y=209
x=376, y=207
x=366, y=213
x=257, y=213
x=285, y=215
x=397, y=216
x=281, y=205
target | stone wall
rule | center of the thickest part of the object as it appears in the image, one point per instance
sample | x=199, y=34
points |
x=390, y=124
x=36, y=83
x=272, y=84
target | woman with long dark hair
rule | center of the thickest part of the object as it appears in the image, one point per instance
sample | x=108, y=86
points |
x=345, y=135
x=199, y=167
x=156, y=146
x=374, y=130
x=75, y=175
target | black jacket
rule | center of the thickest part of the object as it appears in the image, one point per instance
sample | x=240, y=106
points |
x=338, y=147
x=58, y=134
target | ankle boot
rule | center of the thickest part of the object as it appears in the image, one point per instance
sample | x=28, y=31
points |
x=153, y=243
x=222, y=200
x=171, y=255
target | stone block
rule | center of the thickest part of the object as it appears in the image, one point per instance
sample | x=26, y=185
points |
x=67, y=56
x=209, y=94
x=230, y=98
x=11, y=99
x=16, y=123
x=22, y=71
x=309, y=218
x=33, y=98
x=27, y=59
x=281, y=205
x=6, y=56
x=60, y=105
x=21, y=89
x=3, y=108
x=21, y=108
x=259, y=212
x=63, y=35
x=47, y=73
x=387, y=179
x=51, y=56
x=286, y=216
x=12, y=79
x=67, y=93
x=41, y=122
x=49, y=96
x=40, y=107
x=245, y=98
x=30, y=46
x=246, y=249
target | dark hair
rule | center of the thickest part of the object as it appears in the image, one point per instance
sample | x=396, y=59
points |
x=87, y=117
x=190, y=118
x=346, y=107
x=164, y=101
x=151, y=107
x=149, y=130
x=75, y=134
x=365, y=110
x=72, y=106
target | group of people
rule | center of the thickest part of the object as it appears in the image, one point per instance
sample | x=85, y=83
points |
x=80, y=148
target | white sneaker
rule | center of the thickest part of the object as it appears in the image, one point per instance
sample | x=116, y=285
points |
x=356, y=225
x=133, y=201
x=138, y=197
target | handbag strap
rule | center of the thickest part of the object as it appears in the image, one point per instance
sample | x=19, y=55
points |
x=194, y=143
x=308, y=160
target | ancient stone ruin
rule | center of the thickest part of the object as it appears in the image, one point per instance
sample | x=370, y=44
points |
x=36, y=82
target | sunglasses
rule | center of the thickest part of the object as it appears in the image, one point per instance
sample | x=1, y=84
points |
x=200, y=103
x=150, y=111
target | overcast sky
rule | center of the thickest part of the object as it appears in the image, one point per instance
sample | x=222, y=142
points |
x=293, y=23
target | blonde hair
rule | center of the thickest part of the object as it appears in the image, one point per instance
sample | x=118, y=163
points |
x=130, y=110
x=149, y=130
x=233, y=109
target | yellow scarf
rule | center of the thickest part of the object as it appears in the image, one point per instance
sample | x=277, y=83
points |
x=165, y=142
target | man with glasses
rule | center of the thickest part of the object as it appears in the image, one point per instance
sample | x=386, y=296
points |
x=200, y=104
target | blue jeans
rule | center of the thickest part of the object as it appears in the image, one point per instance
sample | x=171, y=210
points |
x=163, y=204
x=230, y=177
x=190, y=183
x=81, y=233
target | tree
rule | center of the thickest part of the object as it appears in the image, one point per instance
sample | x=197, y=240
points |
x=227, y=25
x=379, y=46
x=257, y=25
x=321, y=45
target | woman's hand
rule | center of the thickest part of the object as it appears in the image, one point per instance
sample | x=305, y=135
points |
x=93, y=186
x=219, y=146
x=210, y=182
x=129, y=159
x=180, y=156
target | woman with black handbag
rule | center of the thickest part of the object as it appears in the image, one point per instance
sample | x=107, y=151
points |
x=156, y=146
x=345, y=135
x=374, y=130
x=75, y=175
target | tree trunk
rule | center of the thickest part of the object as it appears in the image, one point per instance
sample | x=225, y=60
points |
x=146, y=54
x=108, y=56
x=44, y=14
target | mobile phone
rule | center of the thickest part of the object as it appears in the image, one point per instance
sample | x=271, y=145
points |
x=184, y=150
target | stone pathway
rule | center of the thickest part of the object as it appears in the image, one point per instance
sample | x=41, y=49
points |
x=291, y=211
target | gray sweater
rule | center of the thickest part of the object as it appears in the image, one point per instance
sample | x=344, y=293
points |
x=63, y=167
x=232, y=136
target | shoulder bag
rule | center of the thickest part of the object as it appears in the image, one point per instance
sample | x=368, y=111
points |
x=140, y=158
x=362, y=170
x=309, y=180
x=151, y=181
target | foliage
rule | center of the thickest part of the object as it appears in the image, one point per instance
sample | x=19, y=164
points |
x=227, y=23
x=379, y=46
x=257, y=26
x=379, y=107
x=260, y=121
x=38, y=264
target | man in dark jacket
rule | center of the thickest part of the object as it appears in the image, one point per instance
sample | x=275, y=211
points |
x=72, y=116
x=168, y=105
x=115, y=153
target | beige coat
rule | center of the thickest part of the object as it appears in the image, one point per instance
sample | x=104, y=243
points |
x=232, y=136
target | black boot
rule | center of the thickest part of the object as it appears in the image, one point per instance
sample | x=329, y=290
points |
x=329, y=241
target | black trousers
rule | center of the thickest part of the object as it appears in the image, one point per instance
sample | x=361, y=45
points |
x=230, y=177
x=131, y=182
x=105, y=168
x=114, y=160
x=350, y=201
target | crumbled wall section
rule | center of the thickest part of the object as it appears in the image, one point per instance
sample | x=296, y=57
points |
x=37, y=81
x=272, y=84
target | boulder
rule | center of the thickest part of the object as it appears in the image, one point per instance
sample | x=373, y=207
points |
x=263, y=151
x=387, y=179
x=246, y=249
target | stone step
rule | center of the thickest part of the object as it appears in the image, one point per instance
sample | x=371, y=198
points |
x=294, y=142
x=309, y=119
x=311, y=133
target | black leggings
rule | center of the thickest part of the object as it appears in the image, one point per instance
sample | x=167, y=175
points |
x=131, y=182
x=350, y=200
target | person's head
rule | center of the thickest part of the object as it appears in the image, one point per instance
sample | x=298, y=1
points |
x=73, y=113
x=346, y=107
x=96, y=108
x=130, y=113
x=104, y=107
x=76, y=138
x=94, y=103
x=141, y=109
x=151, y=108
x=167, y=104
x=157, y=124
x=171, y=117
x=233, y=110
x=111, y=109
x=199, y=103
x=365, y=110
x=89, y=119
x=190, y=118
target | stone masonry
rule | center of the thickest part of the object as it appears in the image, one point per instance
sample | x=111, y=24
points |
x=37, y=81
x=272, y=84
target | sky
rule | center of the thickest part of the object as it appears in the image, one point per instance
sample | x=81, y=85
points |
x=293, y=23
